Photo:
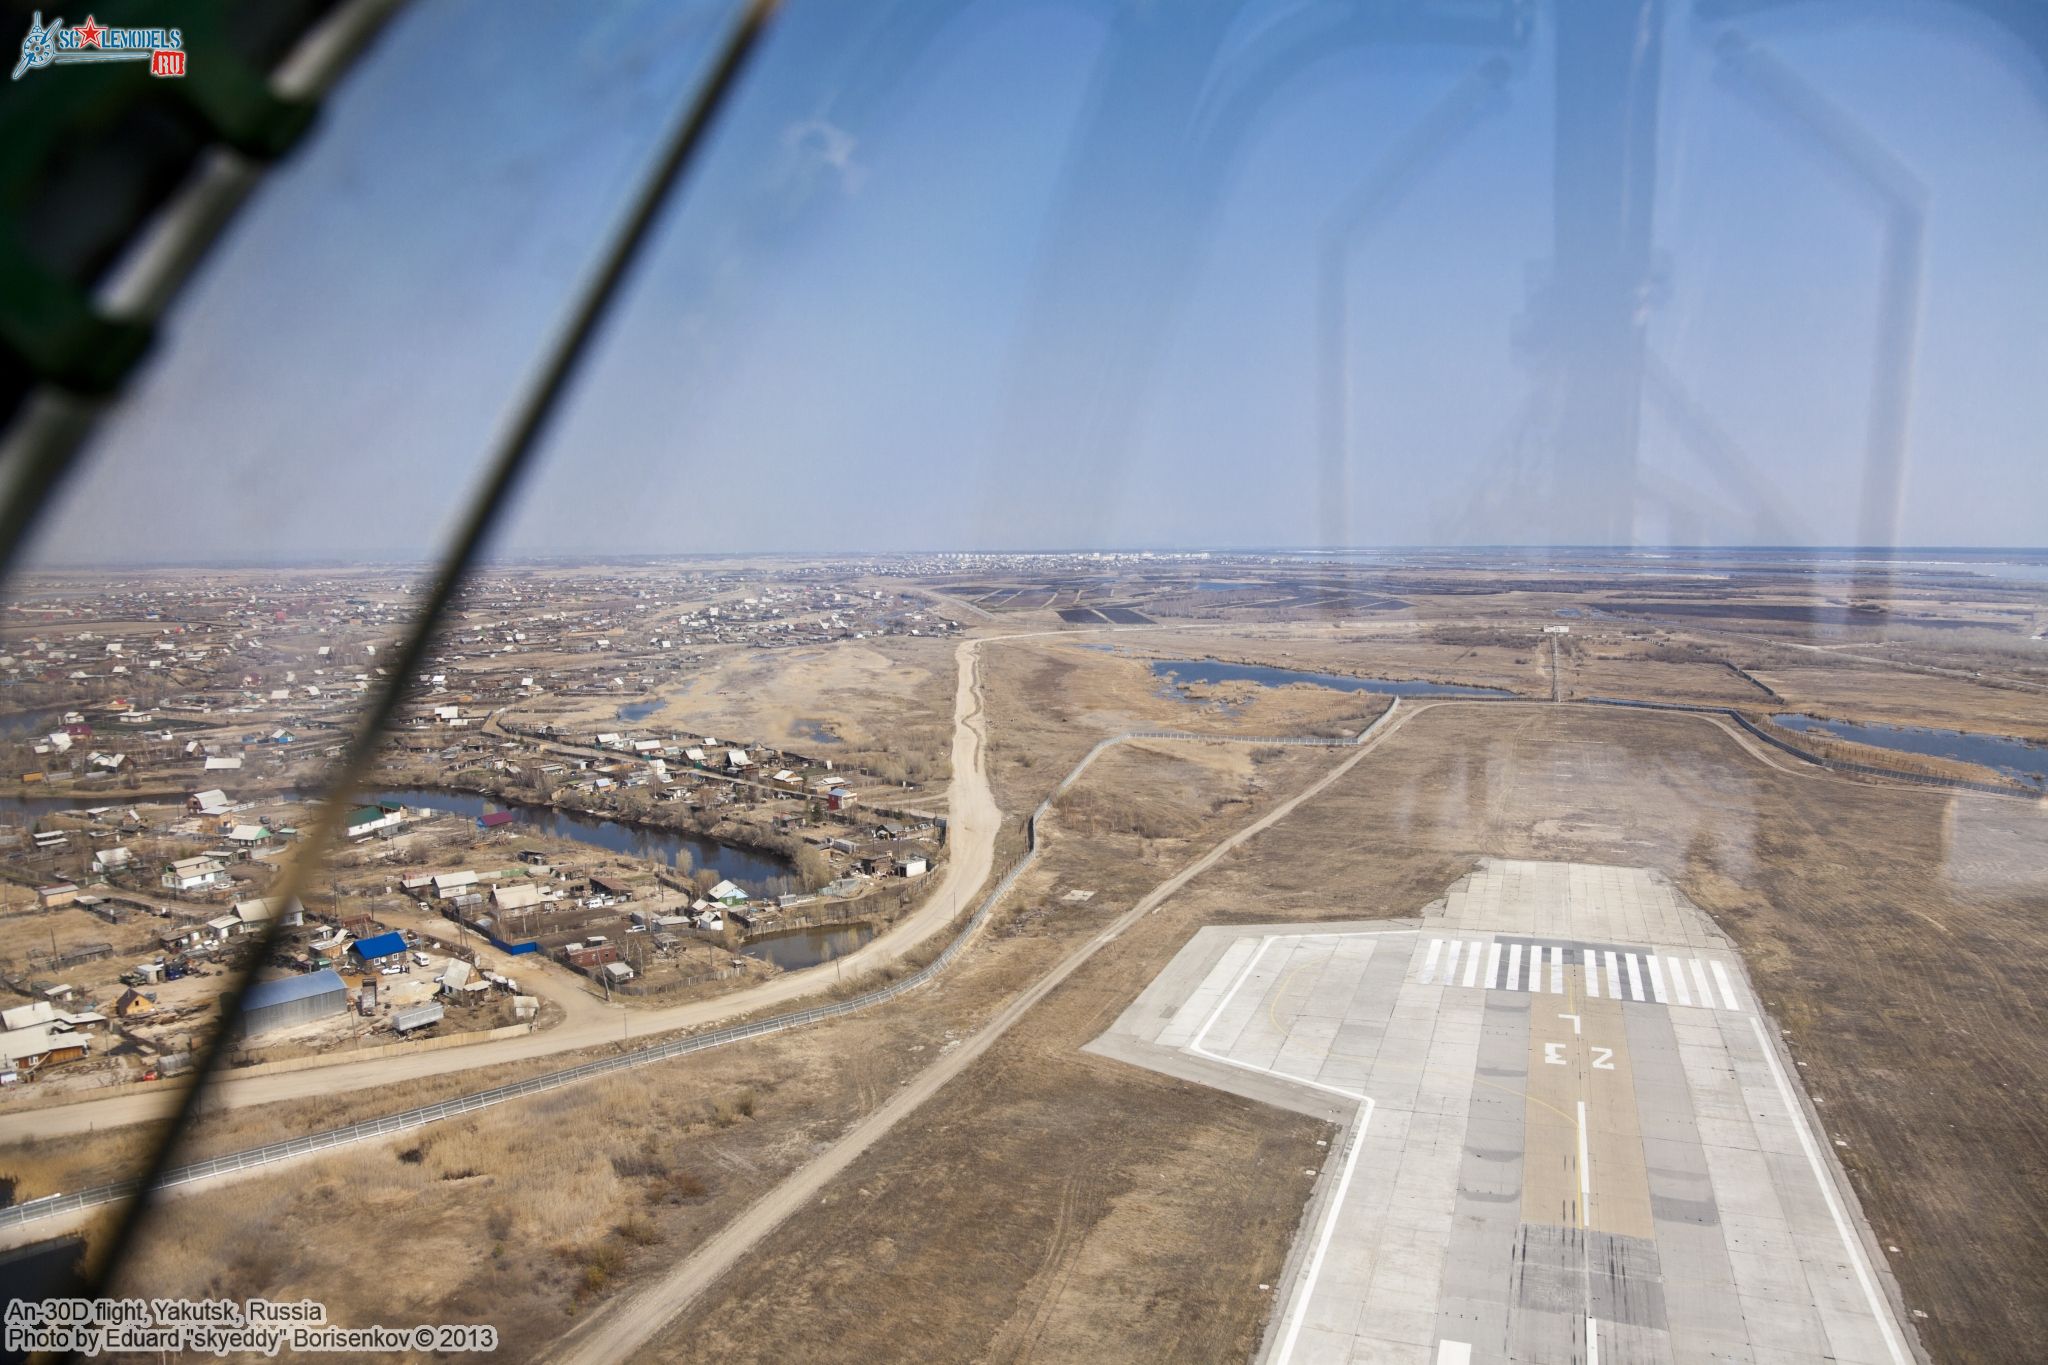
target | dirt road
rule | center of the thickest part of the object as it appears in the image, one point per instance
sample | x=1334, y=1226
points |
x=615, y=1333
x=972, y=821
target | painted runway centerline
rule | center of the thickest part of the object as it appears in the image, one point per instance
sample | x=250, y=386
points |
x=1544, y=1125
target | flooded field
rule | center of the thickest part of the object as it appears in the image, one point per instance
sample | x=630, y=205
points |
x=2016, y=758
x=1181, y=672
x=795, y=949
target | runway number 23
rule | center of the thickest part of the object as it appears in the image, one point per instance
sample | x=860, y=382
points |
x=1603, y=1057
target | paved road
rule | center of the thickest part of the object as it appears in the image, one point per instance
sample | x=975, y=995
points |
x=973, y=819
x=621, y=1328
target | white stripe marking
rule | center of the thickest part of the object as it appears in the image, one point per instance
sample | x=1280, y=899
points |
x=1585, y=1169
x=1436, y=945
x=1454, y=1353
x=1514, y=967
x=1228, y=996
x=1493, y=966
x=1705, y=992
x=1678, y=981
x=1656, y=979
x=1727, y=990
x=1451, y=967
x=1592, y=1342
x=1635, y=978
x=1557, y=971
x=1592, y=960
x=1613, y=977
x=1472, y=966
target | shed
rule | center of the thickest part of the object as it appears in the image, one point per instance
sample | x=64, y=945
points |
x=272, y=1005
x=517, y=896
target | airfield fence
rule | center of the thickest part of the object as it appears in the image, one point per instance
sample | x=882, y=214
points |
x=254, y=1158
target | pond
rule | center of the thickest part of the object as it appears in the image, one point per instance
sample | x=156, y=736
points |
x=638, y=710
x=762, y=874
x=795, y=949
x=813, y=730
x=1181, y=672
x=21, y=724
x=2016, y=758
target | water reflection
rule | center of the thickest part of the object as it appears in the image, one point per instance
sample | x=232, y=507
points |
x=2016, y=758
x=1183, y=671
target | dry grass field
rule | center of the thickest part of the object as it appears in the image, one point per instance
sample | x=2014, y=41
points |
x=871, y=697
x=1056, y=1205
x=528, y=1215
x=1050, y=702
x=1034, y=1208
x=1898, y=697
x=1048, y=1204
x=1897, y=935
x=885, y=704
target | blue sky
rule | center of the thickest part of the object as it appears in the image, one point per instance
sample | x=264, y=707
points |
x=1044, y=275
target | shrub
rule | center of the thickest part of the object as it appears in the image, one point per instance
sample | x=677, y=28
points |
x=676, y=1187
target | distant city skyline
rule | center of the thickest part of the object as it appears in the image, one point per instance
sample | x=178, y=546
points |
x=2034, y=559
x=960, y=277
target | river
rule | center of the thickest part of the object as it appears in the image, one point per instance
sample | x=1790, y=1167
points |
x=761, y=873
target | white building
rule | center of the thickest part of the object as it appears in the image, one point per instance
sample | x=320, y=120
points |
x=195, y=874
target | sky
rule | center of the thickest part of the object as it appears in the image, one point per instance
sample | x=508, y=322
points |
x=1058, y=275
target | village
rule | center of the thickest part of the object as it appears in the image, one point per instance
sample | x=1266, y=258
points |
x=539, y=832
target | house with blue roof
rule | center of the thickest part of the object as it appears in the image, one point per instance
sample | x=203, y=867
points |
x=377, y=951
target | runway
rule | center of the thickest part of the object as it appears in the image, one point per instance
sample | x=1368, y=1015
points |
x=1568, y=1135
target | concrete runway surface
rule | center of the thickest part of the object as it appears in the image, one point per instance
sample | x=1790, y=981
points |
x=1568, y=1134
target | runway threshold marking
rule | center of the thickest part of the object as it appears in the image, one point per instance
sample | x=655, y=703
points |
x=1638, y=976
x=1459, y=1353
